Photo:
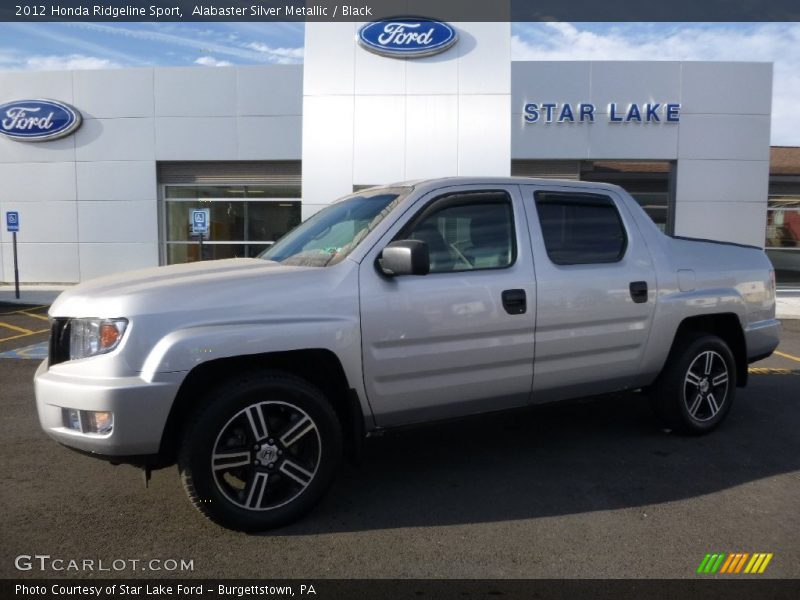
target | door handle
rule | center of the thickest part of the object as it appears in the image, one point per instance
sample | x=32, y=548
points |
x=639, y=291
x=515, y=302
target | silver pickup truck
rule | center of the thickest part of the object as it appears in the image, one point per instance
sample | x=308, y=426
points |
x=397, y=305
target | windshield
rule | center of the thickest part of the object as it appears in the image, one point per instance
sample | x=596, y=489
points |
x=330, y=235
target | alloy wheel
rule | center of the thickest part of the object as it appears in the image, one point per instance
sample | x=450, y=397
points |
x=705, y=388
x=266, y=455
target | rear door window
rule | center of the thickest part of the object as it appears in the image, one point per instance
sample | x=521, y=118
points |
x=580, y=228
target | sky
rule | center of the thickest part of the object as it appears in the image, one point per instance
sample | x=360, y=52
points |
x=57, y=46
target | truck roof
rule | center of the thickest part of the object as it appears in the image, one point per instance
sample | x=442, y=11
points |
x=433, y=183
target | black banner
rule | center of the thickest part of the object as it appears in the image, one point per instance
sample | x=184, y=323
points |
x=367, y=10
x=416, y=589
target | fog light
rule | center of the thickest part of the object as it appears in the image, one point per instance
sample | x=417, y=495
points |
x=72, y=418
x=98, y=422
x=88, y=421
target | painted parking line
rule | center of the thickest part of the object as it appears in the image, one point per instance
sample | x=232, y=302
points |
x=22, y=310
x=32, y=352
x=22, y=335
x=789, y=356
x=772, y=371
x=15, y=328
x=34, y=315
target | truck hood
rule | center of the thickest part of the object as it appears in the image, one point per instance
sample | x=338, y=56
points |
x=207, y=284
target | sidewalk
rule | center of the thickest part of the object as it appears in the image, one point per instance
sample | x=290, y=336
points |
x=788, y=304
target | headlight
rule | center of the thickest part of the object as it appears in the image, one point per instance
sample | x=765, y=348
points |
x=89, y=337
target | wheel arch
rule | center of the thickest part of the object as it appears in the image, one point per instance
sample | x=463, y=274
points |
x=320, y=367
x=726, y=326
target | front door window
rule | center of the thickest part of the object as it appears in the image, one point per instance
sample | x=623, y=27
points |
x=467, y=232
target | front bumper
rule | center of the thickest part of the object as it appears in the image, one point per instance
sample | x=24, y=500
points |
x=140, y=410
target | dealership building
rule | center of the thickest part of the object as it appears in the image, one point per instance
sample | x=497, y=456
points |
x=263, y=147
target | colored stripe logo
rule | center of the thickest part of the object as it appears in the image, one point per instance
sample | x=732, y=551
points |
x=734, y=563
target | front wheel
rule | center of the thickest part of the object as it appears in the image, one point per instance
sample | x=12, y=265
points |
x=696, y=389
x=261, y=452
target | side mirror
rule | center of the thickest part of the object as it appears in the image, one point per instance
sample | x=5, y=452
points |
x=405, y=257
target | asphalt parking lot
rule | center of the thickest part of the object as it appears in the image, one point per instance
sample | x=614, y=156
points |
x=589, y=489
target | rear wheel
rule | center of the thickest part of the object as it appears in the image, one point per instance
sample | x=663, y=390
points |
x=260, y=453
x=696, y=389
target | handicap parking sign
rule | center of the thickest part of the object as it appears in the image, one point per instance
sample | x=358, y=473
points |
x=12, y=221
x=198, y=219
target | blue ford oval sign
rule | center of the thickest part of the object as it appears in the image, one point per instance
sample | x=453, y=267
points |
x=407, y=37
x=37, y=120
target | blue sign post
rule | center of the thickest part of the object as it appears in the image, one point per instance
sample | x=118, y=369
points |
x=12, y=221
x=12, y=224
x=199, y=219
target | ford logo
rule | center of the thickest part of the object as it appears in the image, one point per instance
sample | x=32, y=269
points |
x=407, y=37
x=37, y=120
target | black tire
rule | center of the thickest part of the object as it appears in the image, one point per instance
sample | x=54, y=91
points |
x=686, y=396
x=275, y=444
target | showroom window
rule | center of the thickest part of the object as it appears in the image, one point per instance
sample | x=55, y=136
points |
x=649, y=182
x=245, y=220
x=783, y=238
